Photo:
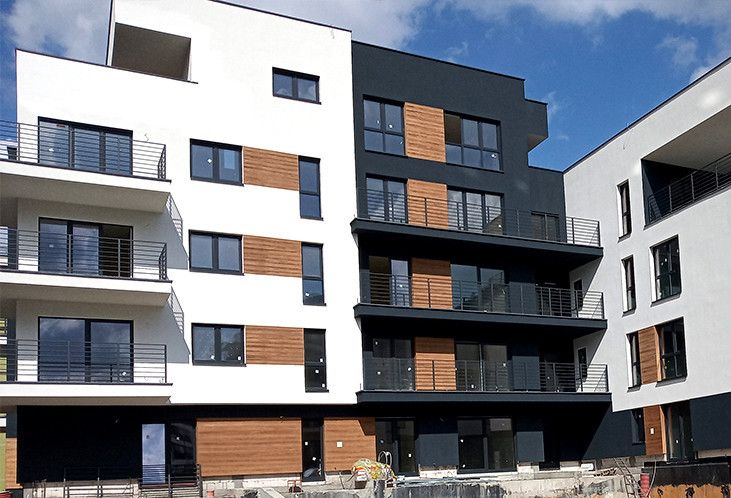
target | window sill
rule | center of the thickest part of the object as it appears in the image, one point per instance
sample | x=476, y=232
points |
x=216, y=272
x=317, y=390
x=289, y=97
x=314, y=304
x=632, y=389
x=219, y=182
x=629, y=312
x=386, y=153
x=478, y=168
x=665, y=299
x=623, y=237
x=217, y=364
x=313, y=218
x=671, y=380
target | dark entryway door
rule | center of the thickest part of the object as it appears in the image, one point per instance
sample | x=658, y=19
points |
x=168, y=450
x=679, y=431
x=312, y=469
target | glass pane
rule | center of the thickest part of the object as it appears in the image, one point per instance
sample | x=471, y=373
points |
x=406, y=436
x=371, y=114
x=311, y=261
x=474, y=210
x=469, y=132
x=393, y=118
x=61, y=350
x=204, y=345
x=229, y=165
x=500, y=449
x=232, y=344
x=375, y=198
x=315, y=377
x=314, y=346
x=201, y=161
x=455, y=210
x=374, y=141
x=454, y=154
x=153, y=453
x=309, y=176
x=118, y=153
x=491, y=160
x=471, y=445
x=489, y=136
x=452, y=129
x=201, y=251
x=310, y=205
x=471, y=157
x=394, y=144
x=397, y=202
x=313, y=292
x=86, y=153
x=307, y=89
x=85, y=249
x=229, y=256
x=111, y=354
x=53, y=143
x=312, y=449
x=282, y=85
x=53, y=246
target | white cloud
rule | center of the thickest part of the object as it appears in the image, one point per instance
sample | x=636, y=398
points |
x=684, y=49
x=457, y=51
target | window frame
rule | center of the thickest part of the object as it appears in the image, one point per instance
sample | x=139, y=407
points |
x=654, y=251
x=217, y=345
x=302, y=192
x=676, y=353
x=295, y=75
x=628, y=282
x=382, y=129
x=480, y=147
x=216, y=164
x=214, y=253
x=486, y=447
x=485, y=211
x=638, y=426
x=387, y=203
x=625, y=209
x=635, y=365
x=305, y=278
x=312, y=363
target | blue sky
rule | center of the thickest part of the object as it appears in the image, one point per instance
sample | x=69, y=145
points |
x=600, y=64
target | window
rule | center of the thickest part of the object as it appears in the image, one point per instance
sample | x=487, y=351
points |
x=215, y=252
x=545, y=226
x=312, y=281
x=215, y=162
x=672, y=349
x=667, y=269
x=476, y=288
x=638, y=426
x=218, y=345
x=679, y=431
x=384, y=127
x=296, y=86
x=475, y=211
x=634, y=359
x=624, y=210
x=315, y=361
x=309, y=188
x=485, y=444
x=472, y=143
x=398, y=437
x=628, y=277
x=386, y=200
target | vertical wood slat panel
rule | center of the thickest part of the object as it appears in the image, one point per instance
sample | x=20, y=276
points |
x=275, y=345
x=649, y=355
x=435, y=365
x=424, y=132
x=247, y=447
x=270, y=256
x=11, y=463
x=427, y=204
x=431, y=282
x=268, y=168
x=654, y=419
x=358, y=436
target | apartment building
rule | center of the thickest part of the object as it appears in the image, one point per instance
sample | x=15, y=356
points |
x=659, y=191
x=249, y=248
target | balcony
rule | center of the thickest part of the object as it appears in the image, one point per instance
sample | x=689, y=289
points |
x=61, y=266
x=61, y=162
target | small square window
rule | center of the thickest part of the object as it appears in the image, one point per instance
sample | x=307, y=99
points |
x=471, y=142
x=215, y=252
x=298, y=86
x=383, y=127
x=215, y=162
x=218, y=345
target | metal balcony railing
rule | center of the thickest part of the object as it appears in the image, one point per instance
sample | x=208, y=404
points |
x=478, y=218
x=81, y=362
x=440, y=292
x=46, y=252
x=689, y=189
x=408, y=374
x=62, y=146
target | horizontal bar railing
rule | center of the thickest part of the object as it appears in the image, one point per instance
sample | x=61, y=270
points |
x=408, y=374
x=478, y=218
x=62, y=146
x=82, y=362
x=47, y=252
x=441, y=292
x=689, y=189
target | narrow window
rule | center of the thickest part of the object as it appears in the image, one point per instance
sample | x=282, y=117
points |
x=628, y=276
x=638, y=426
x=672, y=349
x=215, y=252
x=634, y=359
x=312, y=280
x=215, y=162
x=624, y=209
x=218, y=345
x=297, y=86
x=383, y=125
x=309, y=188
x=315, y=361
x=667, y=269
x=386, y=200
x=470, y=142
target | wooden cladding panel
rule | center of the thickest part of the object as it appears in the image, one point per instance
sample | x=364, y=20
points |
x=232, y=447
x=431, y=282
x=427, y=204
x=11, y=463
x=654, y=419
x=269, y=256
x=275, y=345
x=434, y=361
x=358, y=438
x=424, y=132
x=649, y=355
x=271, y=169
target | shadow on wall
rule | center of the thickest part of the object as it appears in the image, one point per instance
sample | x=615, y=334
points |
x=172, y=231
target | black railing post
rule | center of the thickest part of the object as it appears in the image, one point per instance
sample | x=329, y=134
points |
x=165, y=363
x=119, y=257
x=433, y=375
x=573, y=231
x=428, y=292
x=426, y=212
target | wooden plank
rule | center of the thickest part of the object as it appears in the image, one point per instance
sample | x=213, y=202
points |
x=654, y=419
x=427, y=204
x=424, y=132
x=358, y=438
x=435, y=364
x=649, y=343
x=268, y=168
x=11, y=463
x=275, y=345
x=249, y=447
x=269, y=256
x=431, y=282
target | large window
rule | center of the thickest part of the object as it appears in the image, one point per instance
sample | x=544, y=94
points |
x=475, y=211
x=215, y=252
x=485, y=444
x=386, y=200
x=392, y=366
x=667, y=269
x=545, y=226
x=478, y=289
x=298, y=86
x=309, y=188
x=672, y=349
x=218, y=345
x=628, y=277
x=215, y=162
x=315, y=361
x=398, y=437
x=679, y=431
x=313, y=291
x=384, y=127
x=625, y=214
x=638, y=426
x=471, y=142
x=634, y=359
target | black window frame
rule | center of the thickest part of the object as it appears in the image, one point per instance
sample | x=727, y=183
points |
x=214, y=255
x=630, y=292
x=633, y=339
x=545, y=233
x=395, y=445
x=310, y=193
x=383, y=130
x=625, y=209
x=311, y=278
x=480, y=147
x=638, y=426
x=295, y=76
x=388, y=204
x=310, y=363
x=678, y=355
x=216, y=146
x=485, y=212
x=217, y=345
x=672, y=273
x=486, y=445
